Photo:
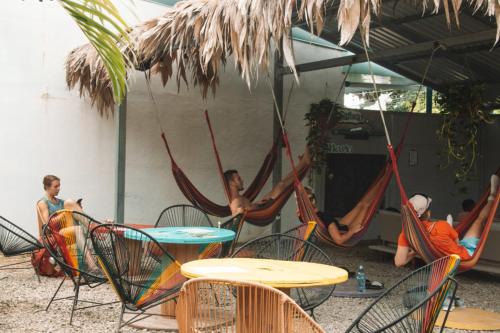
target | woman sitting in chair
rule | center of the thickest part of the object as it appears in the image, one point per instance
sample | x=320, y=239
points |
x=442, y=234
x=50, y=204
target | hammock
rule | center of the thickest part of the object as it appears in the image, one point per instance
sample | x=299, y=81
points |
x=418, y=236
x=263, y=215
x=308, y=213
x=415, y=231
x=199, y=200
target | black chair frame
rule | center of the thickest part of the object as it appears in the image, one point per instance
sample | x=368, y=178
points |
x=448, y=280
x=138, y=313
x=82, y=278
x=183, y=207
x=11, y=228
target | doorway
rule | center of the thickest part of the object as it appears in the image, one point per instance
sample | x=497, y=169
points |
x=347, y=178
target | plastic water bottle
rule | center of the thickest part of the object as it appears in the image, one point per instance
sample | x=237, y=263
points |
x=449, y=219
x=361, y=278
x=219, y=224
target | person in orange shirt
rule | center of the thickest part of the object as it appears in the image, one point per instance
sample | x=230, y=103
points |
x=442, y=234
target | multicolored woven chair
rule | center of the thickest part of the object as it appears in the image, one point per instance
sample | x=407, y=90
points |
x=413, y=304
x=285, y=247
x=222, y=250
x=220, y=305
x=304, y=231
x=66, y=237
x=141, y=272
x=183, y=216
x=15, y=241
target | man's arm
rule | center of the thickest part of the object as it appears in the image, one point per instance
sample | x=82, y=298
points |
x=403, y=255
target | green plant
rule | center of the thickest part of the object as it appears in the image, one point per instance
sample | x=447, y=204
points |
x=320, y=119
x=102, y=24
x=463, y=113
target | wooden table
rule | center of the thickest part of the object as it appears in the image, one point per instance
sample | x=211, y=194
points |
x=184, y=244
x=279, y=274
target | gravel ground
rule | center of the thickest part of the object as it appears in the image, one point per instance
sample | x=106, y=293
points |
x=23, y=299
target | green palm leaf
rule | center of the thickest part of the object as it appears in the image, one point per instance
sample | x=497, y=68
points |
x=106, y=30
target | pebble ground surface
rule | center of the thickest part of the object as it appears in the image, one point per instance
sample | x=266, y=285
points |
x=23, y=298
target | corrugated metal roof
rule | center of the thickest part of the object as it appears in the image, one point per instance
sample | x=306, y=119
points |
x=465, y=56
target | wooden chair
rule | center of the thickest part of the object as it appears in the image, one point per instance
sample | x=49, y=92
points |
x=224, y=305
x=413, y=304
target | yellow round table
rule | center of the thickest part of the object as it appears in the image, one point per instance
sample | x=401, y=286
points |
x=279, y=274
x=275, y=273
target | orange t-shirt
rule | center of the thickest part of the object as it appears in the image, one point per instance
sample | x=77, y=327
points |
x=443, y=237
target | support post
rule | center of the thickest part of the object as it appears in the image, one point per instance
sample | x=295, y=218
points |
x=121, y=135
x=278, y=90
x=428, y=100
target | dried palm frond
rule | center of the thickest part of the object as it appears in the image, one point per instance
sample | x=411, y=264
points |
x=197, y=37
x=356, y=14
x=101, y=23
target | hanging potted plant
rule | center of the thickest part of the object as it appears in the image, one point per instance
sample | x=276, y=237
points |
x=320, y=119
x=463, y=114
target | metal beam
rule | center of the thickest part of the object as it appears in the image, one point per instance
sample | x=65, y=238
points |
x=121, y=135
x=278, y=93
x=409, y=52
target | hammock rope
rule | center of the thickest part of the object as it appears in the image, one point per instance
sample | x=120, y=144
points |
x=198, y=199
x=306, y=209
x=415, y=231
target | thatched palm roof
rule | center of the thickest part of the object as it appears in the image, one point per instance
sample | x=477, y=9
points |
x=198, y=36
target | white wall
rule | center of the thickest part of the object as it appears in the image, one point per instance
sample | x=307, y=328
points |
x=50, y=130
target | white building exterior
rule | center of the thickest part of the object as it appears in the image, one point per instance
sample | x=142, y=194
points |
x=47, y=129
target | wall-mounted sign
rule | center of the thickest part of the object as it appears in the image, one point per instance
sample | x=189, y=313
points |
x=339, y=148
x=413, y=157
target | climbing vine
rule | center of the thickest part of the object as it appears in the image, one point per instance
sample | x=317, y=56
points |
x=463, y=114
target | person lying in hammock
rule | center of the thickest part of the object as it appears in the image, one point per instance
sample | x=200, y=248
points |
x=442, y=234
x=339, y=232
x=239, y=203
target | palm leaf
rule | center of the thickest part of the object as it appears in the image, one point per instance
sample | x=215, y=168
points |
x=108, y=33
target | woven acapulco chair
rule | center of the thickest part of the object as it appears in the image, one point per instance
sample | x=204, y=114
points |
x=183, y=216
x=220, y=305
x=413, y=304
x=15, y=241
x=141, y=272
x=285, y=247
x=304, y=231
x=226, y=249
x=66, y=237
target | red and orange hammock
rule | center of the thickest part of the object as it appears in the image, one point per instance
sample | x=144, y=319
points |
x=262, y=216
x=307, y=210
x=418, y=236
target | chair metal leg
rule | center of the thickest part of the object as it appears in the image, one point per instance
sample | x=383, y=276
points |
x=120, y=318
x=75, y=300
x=35, y=268
x=55, y=294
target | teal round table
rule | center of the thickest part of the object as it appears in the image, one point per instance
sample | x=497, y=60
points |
x=185, y=235
x=184, y=244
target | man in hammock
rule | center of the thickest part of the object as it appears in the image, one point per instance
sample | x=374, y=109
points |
x=239, y=203
x=442, y=234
